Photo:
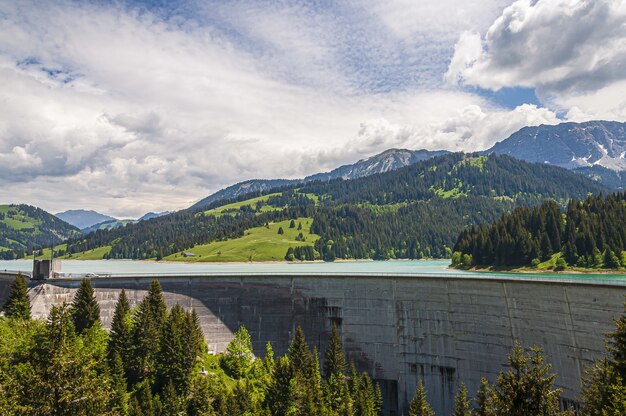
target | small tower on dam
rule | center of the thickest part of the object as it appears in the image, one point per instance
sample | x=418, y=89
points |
x=46, y=268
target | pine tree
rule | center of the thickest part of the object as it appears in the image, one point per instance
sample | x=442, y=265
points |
x=172, y=403
x=604, y=382
x=18, y=304
x=143, y=402
x=147, y=329
x=119, y=401
x=527, y=387
x=239, y=356
x=483, y=398
x=268, y=360
x=334, y=358
x=120, y=333
x=299, y=353
x=280, y=230
x=280, y=393
x=419, y=404
x=364, y=399
x=292, y=224
x=197, y=341
x=177, y=353
x=462, y=403
x=67, y=375
x=200, y=398
x=85, y=308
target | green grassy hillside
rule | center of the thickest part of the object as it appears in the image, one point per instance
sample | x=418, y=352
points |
x=24, y=228
x=258, y=244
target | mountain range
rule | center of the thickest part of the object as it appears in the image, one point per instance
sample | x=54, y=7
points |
x=368, y=187
x=576, y=146
x=596, y=149
x=81, y=218
x=386, y=161
x=412, y=212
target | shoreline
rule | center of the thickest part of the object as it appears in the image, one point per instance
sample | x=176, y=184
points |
x=540, y=271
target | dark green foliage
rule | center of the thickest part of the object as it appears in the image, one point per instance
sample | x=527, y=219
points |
x=526, y=388
x=492, y=176
x=172, y=404
x=41, y=230
x=65, y=374
x=200, y=397
x=120, y=340
x=334, y=358
x=85, y=308
x=593, y=234
x=419, y=404
x=462, y=403
x=178, y=352
x=119, y=401
x=280, y=230
x=292, y=224
x=280, y=393
x=18, y=304
x=365, y=401
x=299, y=353
x=604, y=391
x=142, y=403
x=482, y=399
x=148, y=325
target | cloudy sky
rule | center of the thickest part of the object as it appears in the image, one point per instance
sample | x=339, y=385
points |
x=131, y=106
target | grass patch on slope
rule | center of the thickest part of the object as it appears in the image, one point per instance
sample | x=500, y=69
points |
x=95, y=254
x=235, y=206
x=258, y=244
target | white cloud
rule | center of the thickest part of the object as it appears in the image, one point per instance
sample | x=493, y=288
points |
x=552, y=45
x=107, y=108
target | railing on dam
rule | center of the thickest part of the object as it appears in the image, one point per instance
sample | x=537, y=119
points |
x=597, y=279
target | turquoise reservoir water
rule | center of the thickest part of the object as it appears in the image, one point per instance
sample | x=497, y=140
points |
x=380, y=268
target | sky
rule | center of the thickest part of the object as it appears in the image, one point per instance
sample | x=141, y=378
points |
x=126, y=107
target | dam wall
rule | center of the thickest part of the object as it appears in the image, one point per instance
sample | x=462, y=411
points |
x=444, y=330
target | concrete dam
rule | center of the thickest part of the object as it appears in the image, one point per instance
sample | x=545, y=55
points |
x=444, y=330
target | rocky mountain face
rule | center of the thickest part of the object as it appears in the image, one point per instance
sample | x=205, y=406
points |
x=569, y=145
x=81, y=218
x=386, y=161
x=242, y=188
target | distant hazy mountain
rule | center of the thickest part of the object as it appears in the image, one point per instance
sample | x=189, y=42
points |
x=82, y=218
x=569, y=145
x=115, y=223
x=386, y=161
x=150, y=215
x=107, y=225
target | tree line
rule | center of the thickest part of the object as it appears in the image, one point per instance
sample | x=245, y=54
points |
x=413, y=212
x=154, y=361
x=590, y=234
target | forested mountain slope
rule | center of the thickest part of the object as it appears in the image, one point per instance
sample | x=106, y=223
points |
x=24, y=228
x=591, y=234
x=412, y=212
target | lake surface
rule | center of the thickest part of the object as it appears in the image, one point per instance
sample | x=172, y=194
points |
x=381, y=268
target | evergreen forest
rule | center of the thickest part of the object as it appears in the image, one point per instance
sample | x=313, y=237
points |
x=589, y=234
x=154, y=361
